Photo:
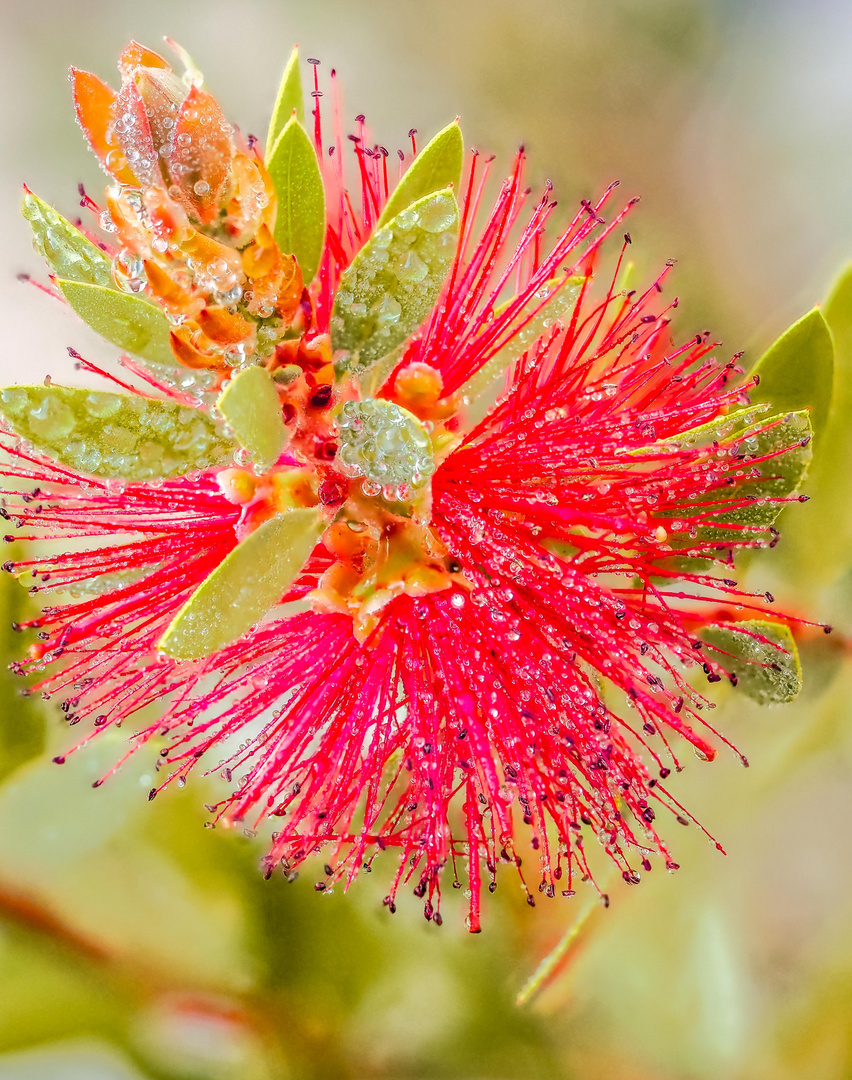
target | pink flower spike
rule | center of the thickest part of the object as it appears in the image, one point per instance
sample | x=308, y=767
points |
x=516, y=498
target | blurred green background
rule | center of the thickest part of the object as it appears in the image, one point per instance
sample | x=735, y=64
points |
x=135, y=944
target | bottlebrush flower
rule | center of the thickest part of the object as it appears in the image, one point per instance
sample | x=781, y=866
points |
x=413, y=522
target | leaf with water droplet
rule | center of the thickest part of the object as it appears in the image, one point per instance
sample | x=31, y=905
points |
x=251, y=407
x=438, y=165
x=113, y=435
x=291, y=97
x=797, y=372
x=393, y=282
x=545, y=307
x=71, y=254
x=128, y=321
x=246, y=585
x=300, y=218
x=784, y=444
x=761, y=655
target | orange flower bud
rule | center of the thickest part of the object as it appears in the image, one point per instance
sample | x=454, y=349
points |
x=418, y=384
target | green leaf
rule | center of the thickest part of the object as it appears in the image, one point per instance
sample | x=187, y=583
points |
x=71, y=255
x=393, y=282
x=22, y=719
x=777, y=477
x=560, y=296
x=438, y=165
x=130, y=322
x=290, y=98
x=113, y=435
x=300, y=220
x=252, y=409
x=797, y=372
x=762, y=656
x=247, y=584
x=817, y=546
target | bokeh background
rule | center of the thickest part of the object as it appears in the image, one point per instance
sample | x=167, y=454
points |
x=133, y=943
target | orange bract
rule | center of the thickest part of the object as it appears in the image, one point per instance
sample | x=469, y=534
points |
x=194, y=211
x=95, y=105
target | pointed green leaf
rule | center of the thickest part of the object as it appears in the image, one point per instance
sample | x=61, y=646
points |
x=817, y=545
x=290, y=98
x=252, y=409
x=394, y=281
x=778, y=477
x=300, y=220
x=130, y=322
x=797, y=372
x=438, y=165
x=246, y=585
x=561, y=296
x=113, y=435
x=762, y=656
x=71, y=254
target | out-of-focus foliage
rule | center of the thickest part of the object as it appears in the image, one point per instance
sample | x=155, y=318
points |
x=133, y=942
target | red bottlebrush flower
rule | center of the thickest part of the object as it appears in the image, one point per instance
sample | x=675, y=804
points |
x=494, y=485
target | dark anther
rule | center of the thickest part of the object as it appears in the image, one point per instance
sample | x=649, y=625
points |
x=321, y=397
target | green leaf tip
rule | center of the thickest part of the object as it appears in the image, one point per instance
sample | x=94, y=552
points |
x=245, y=586
x=762, y=656
x=250, y=406
x=113, y=435
x=797, y=371
x=290, y=99
x=300, y=218
x=393, y=282
x=131, y=322
x=71, y=255
x=438, y=165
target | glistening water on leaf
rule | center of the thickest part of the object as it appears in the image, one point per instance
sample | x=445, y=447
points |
x=71, y=255
x=251, y=408
x=797, y=371
x=300, y=218
x=113, y=435
x=246, y=585
x=131, y=322
x=393, y=282
x=290, y=99
x=762, y=656
x=768, y=461
x=438, y=165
